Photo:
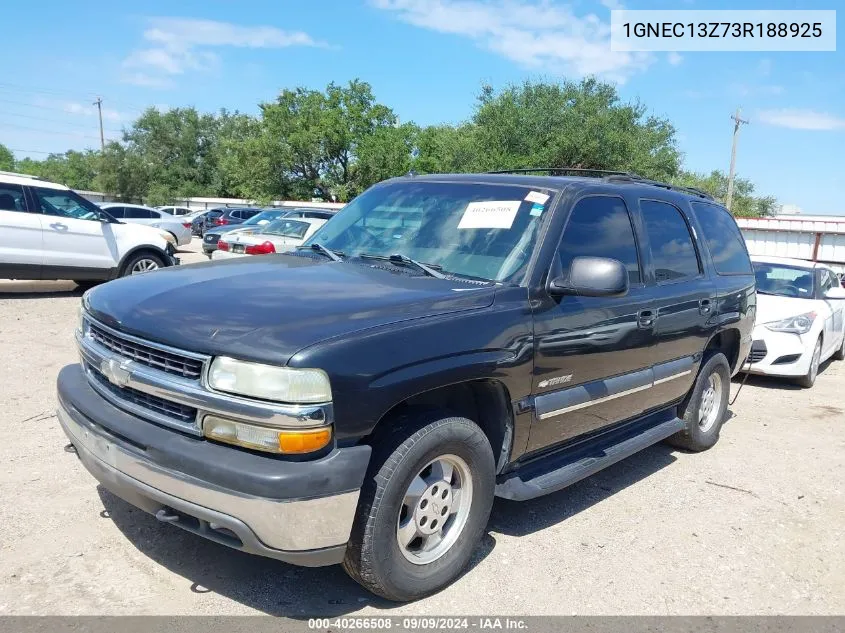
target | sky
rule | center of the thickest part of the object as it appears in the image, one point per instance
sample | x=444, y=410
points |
x=427, y=59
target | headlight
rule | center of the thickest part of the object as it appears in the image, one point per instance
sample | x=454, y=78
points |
x=80, y=321
x=168, y=237
x=280, y=384
x=800, y=324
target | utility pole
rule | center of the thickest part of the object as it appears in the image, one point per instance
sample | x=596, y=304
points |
x=737, y=123
x=99, y=104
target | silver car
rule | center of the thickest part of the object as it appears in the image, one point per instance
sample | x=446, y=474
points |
x=178, y=227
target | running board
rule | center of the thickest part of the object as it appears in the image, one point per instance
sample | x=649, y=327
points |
x=582, y=462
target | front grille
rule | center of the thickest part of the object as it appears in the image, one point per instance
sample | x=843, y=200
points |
x=167, y=408
x=758, y=351
x=169, y=362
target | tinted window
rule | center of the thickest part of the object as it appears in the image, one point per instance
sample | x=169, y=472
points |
x=115, y=212
x=134, y=213
x=156, y=215
x=11, y=198
x=249, y=213
x=600, y=227
x=66, y=204
x=724, y=240
x=672, y=248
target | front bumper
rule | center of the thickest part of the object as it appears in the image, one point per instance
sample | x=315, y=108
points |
x=298, y=512
x=796, y=349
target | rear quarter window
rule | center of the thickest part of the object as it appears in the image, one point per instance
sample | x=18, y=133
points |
x=724, y=239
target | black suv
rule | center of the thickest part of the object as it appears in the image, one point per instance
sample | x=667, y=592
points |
x=442, y=340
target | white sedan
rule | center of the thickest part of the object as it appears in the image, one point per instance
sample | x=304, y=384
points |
x=277, y=236
x=178, y=227
x=800, y=308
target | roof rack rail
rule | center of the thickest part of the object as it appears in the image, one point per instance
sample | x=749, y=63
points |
x=607, y=175
x=663, y=185
x=19, y=175
x=562, y=171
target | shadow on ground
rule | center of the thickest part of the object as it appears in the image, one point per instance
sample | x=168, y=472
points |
x=276, y=588
x=776, y=382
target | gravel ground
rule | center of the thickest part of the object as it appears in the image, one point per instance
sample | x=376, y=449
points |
x=754, y=526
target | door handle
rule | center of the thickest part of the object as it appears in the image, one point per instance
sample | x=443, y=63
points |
x=704, y=306
x=58, y=226
x=646, y=319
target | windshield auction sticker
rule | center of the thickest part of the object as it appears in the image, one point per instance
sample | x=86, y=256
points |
x=728, y=30
x=490, y=214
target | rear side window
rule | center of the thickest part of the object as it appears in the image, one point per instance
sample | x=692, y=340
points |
x=134, y=213
x=724, y=239
x=600, y=226
x=672, y=248
x=116, y=212
x=11, y=198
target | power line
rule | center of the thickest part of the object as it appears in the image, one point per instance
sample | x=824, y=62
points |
x=8, y=87
x=32, y=151
x=63, y=123
x=36, y=129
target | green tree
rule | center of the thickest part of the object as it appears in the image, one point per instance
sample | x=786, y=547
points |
x=177, y=148
x=77, y=170
x=571, y=124
x=445, y=149
x=744, y=204
x=7, y=159
x=123, y=173
x=315, y=137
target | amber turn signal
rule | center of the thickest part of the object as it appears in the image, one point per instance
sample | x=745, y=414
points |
x=306, y=441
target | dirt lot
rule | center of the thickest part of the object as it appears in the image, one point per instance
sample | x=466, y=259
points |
x=753, y=526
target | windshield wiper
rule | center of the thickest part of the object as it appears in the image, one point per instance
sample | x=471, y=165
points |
x=319, y=248
x=429, y=269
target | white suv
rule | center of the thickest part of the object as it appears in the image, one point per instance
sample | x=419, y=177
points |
x=48, y=231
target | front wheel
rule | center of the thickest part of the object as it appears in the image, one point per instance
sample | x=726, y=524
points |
x=423, y=509
x=142, y=263
x=840, y=353
x=705, y=407
x=809, y=379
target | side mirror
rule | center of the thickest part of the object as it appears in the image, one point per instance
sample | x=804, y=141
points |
x=592, y=277
x=835, y=293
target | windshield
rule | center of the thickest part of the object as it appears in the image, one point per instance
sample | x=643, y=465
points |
x=477, y=230
x=784, y=281
x=286, y=228
x=263, y=218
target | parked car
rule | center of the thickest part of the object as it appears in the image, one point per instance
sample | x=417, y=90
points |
x=48, y=231
x=177, y=211
x=442, y=340
x=800, y=324
x=205, y=220
x=209, y=240
x=138, y=214
x=235, y=215
x=278, y=236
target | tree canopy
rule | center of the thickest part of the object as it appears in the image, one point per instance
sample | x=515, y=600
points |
x=336, y=142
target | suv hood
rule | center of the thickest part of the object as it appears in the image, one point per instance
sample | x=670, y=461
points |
x=266, y=308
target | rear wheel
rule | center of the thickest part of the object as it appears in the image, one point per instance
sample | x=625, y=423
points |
x=423, y=509
x=705, y=407
x=140, y=263
x=809, y=379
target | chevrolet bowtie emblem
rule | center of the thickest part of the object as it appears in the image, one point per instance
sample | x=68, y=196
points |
x=117, y=373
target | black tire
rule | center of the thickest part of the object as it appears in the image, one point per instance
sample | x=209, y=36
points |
x=695, y=436
x=840, y=353
x=138, y=257
x=809, y=379
x=373, y=557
